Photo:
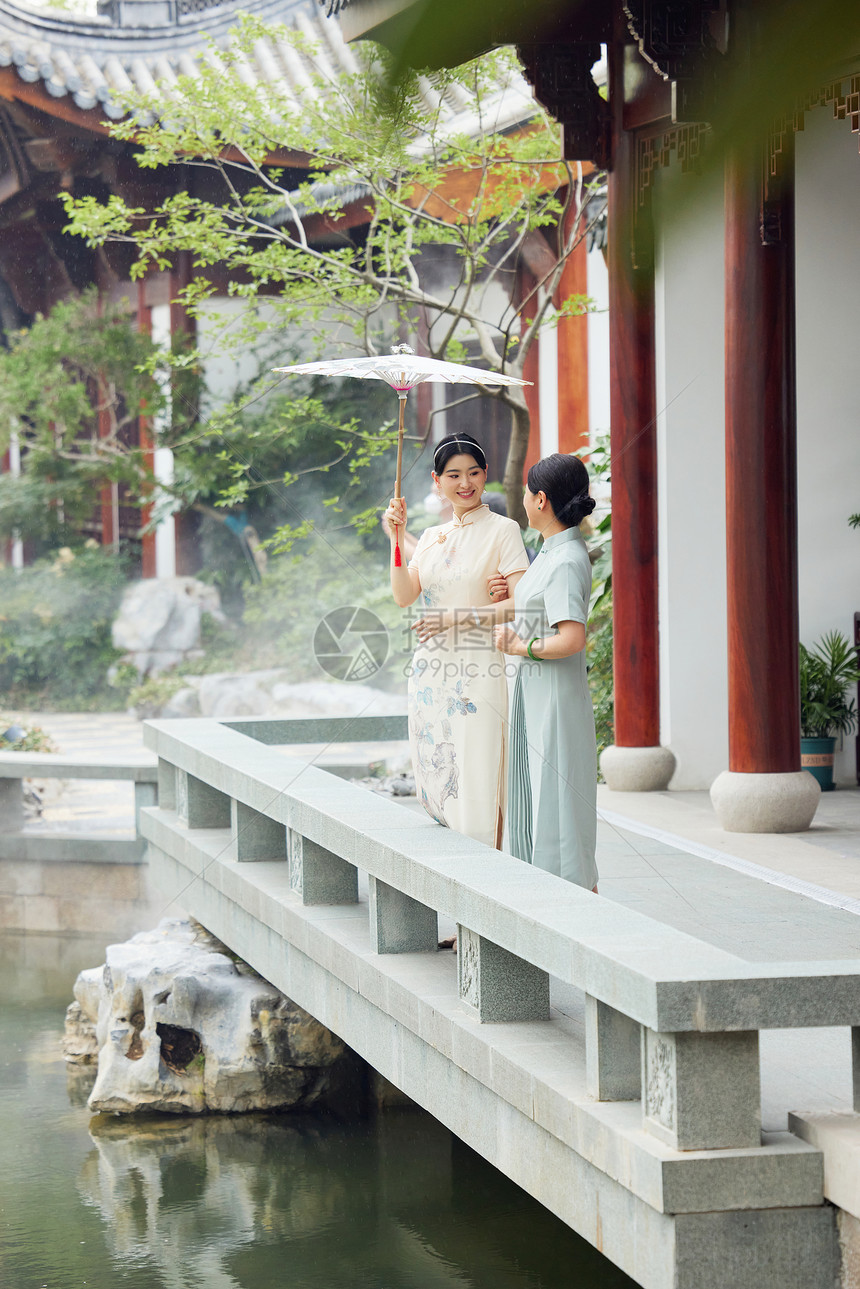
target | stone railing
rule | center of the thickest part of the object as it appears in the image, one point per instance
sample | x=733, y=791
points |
x=83, y=881
x=17, y=843
x=670, y=1021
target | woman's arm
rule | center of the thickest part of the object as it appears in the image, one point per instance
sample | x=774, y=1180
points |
x=434, y=621
x=405, y=582
x=503, y=611
x=569, y=641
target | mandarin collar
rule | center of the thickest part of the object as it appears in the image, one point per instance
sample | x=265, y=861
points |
x=470, y=516
x=560, y=539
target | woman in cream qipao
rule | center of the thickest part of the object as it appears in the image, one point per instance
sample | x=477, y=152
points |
x=457, y=693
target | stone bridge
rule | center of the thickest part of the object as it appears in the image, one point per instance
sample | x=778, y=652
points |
x=606, y=1062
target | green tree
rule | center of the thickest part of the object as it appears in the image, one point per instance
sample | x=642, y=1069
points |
x=480, y=197
x=72, y=389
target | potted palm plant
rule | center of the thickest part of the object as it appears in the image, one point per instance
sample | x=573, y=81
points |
x=826, y=671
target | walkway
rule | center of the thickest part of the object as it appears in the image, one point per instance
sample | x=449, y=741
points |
x=764, y=898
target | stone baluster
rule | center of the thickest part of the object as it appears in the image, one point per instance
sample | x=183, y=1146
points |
x=317, y=875
x=255, y=836
x=702, y=1091
x=198, y=804
x=498, y=984
x=11, y=805
x=613, y=1057
x=855, y=1065
x=145, y=794
x=398, y=923
x=166, y=784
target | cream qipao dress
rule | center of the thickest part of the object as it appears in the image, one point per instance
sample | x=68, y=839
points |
x=457, y=691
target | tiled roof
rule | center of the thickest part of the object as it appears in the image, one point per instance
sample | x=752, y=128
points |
x=141, y=43
x=138, y=43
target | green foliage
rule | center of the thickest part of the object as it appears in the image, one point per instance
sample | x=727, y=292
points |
x=34, y=739
x=317, y=455
x=55, y=631
x=826, y=671
x=70, y=387
x=599, y=631
x=283, y=612
x=149, y=696
x=598, y=648
x=474, y=198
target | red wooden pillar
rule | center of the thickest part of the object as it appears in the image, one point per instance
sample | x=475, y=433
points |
x=573, y=354
x=636, y=762
x=761, y=469
x=764, y=790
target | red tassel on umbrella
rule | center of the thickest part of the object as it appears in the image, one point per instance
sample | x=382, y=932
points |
x=398, y=562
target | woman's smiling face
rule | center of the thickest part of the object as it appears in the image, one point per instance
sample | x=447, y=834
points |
x=462, y=482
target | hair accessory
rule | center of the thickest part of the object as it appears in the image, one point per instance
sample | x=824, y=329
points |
x=529, y=649
x=466, y=446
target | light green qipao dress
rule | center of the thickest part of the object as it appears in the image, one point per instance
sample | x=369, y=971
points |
x=552, y=779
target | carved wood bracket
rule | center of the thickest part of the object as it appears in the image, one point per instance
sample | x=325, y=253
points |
x=560, y=75
x=683, y=40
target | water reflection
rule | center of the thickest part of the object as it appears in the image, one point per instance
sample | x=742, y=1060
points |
x=232, y=1202
x=246, y=1201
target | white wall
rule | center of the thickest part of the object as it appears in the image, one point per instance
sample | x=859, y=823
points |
x=597, y=288
x=691, y=462
x=828, y=390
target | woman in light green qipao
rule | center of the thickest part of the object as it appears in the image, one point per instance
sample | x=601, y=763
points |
x=552, y=775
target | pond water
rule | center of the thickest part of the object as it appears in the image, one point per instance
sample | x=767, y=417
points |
x=243, y=1202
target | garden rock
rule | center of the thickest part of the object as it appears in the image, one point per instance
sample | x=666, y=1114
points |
x=159, y=619
x=185, y=702
x=180, y=1027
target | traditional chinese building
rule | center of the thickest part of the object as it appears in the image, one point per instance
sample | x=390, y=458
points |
x=731, y=137
x=60, y=78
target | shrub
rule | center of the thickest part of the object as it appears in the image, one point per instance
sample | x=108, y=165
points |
x=55, y=630
x=33, y=739
x=283, y=611
x=599, y=655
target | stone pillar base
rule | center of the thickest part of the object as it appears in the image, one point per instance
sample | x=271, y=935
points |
x=637, y=769
x=765, y=802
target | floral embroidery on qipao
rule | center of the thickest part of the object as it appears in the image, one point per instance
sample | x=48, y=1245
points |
x=458, y=703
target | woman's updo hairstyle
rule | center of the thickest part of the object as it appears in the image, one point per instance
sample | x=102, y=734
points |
x=456, y=445
x=564, y=479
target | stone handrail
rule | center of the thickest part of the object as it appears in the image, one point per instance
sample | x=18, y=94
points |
x=670, y=1020
x=55, y=844
x=54, y=765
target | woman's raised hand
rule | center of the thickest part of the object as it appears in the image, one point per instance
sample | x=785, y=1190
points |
x=395, y=516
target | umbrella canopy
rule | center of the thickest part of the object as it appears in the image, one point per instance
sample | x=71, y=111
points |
x=403, y=369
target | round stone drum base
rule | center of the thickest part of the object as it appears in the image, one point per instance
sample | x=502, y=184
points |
x=765, y=802
x=637, y=769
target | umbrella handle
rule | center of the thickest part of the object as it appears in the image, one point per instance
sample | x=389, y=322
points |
x=398, y=561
